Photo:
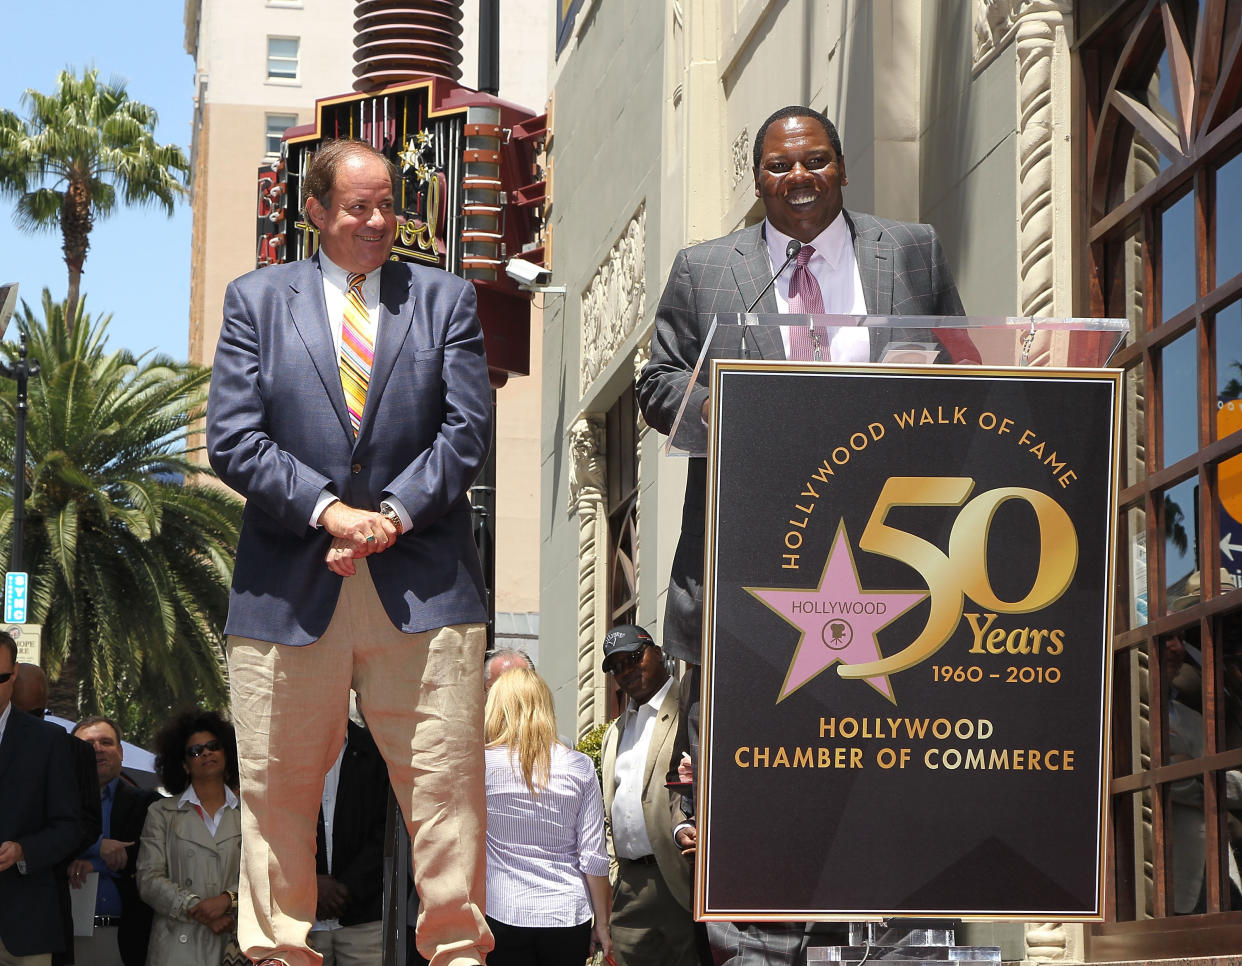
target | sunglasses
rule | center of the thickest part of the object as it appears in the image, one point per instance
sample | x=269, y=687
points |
x=626, y=660
x=4, y=678
x=194, y=751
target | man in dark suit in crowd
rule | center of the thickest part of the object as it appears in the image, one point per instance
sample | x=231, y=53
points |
x=40, y=825
x=30, y=695
x=651, y=923
x=847, y=263
x=122, y=919
x=349, y=855
x=350, y=405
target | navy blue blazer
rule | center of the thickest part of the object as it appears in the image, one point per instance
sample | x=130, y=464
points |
x=278, y=433
x=41, y=808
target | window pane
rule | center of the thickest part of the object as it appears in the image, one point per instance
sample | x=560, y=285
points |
x=282, y=57
x=1179, y=382
x=1135, y=427
x=1184, y=851
x=1231, y=660
x=1229, y=787
x=1177, y=247
x=1132, y=817
x=1229, y=420
x=1160, y=100
x=1131, y=687
x=1136, y=525
x=1180, y=558
x=277, y=124
x=1229, y=220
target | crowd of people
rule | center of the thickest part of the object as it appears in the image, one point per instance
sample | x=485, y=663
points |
x=162, y=867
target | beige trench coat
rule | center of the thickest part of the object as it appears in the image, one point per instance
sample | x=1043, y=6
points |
x=179, y=859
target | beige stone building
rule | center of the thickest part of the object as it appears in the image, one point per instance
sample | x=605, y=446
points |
x=1077, y=158
x=259, y=68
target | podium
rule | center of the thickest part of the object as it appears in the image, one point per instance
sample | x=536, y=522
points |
x=894, y=340
x=907, y=606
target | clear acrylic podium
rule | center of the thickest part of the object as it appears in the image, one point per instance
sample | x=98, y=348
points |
x=891, y=340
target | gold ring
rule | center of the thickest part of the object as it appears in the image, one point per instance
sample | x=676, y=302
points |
x=371, y=538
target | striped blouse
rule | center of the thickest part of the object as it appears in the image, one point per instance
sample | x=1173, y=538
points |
x=539, y=847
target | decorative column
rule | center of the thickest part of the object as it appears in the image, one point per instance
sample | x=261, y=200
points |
x=1044, y=166
x=588, y=498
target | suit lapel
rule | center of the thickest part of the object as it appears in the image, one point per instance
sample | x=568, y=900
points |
x=612, y=740
x=12, y=738
x=874, y=254
x=310, y=317
x=665, y=719
x=752, y=270
x=396, y=314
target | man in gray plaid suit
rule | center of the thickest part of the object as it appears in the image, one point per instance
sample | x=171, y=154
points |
x=847, y=263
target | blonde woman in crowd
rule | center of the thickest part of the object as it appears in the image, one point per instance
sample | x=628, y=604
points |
x=547, y=868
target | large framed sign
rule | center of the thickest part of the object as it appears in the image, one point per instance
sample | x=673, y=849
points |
x=907, y=614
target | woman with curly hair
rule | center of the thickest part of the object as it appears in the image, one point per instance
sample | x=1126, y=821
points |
x=547, y=869
x=190, y=856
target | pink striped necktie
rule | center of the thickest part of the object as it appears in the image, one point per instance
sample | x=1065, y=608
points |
x=357, y=349
x=805, y=298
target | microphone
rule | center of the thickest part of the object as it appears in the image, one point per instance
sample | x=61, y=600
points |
x=791, y=252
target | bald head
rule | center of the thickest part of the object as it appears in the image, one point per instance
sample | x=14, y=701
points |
x=30, y=689
x=502, y=660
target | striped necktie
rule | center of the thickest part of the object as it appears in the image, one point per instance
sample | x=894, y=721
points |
x=357, y=349
x=805, y=297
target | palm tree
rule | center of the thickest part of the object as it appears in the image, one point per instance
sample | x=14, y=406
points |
x=82, y=146
x=129, y=554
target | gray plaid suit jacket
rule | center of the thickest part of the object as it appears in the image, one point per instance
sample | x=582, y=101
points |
x=903, y=272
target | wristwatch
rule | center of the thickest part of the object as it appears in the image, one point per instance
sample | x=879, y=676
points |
x=390, y=513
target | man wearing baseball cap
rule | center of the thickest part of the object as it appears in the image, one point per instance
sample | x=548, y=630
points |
x=651, y=922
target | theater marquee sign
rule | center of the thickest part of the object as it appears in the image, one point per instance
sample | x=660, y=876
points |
x=907, y=605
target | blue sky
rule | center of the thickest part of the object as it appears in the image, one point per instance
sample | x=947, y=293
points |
x=138, y=267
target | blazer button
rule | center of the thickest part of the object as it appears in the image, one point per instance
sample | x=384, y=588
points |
x=356, y=469
x=183, y=938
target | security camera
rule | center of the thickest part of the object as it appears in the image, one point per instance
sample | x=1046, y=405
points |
x=527, y=273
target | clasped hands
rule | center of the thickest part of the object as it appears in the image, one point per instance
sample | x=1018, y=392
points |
x=355, y=533
x=214, y=913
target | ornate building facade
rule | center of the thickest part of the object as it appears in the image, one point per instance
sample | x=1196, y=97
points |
x=1077, y=158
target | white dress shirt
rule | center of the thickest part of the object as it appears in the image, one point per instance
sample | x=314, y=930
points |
x=335, y=286
x=190, y=797
x=835, y=268
x=629, y=826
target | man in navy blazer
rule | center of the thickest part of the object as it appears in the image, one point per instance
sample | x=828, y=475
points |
x=356, y=565
x=864, y=265
x=40, y=825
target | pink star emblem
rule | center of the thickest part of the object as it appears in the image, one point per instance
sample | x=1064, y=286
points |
x=838, y=619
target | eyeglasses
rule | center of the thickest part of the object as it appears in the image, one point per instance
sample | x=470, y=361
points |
x=194, y=751
x=626, y=660
x=4, y=678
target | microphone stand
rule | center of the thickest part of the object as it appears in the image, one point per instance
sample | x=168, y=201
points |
x=791, y=252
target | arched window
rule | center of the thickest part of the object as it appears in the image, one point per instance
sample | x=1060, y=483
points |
x=1162, y=165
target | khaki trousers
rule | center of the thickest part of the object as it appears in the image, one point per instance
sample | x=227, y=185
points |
x=422, y=696
x=649, y=927
x=360, y=945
